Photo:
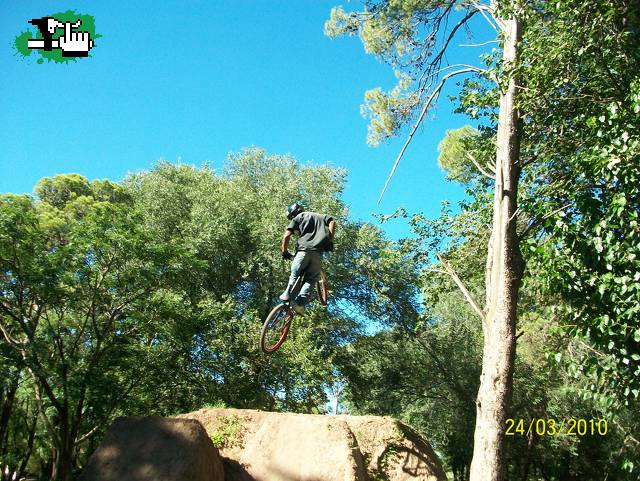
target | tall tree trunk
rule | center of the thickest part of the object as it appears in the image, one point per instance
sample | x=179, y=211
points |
x=8, y=397
x=54, y=464
x=504, y=273
x=31, y=438
x=63, y=461
x=529, y=456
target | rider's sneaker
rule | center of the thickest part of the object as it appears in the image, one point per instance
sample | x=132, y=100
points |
x=298, y=309
x=284, y=297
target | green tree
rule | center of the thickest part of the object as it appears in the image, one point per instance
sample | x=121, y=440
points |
x=426, y=377
x=413, y=38
x=586, y=136
x=148, y=297
x=231, y=224
x=538, y=116
x=74, y=267
x=584, y=139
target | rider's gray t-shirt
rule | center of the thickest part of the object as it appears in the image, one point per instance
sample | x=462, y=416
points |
x=313, y=230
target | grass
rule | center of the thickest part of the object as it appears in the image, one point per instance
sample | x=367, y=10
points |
x=228, y=433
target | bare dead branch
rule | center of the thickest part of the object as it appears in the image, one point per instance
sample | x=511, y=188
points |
x=488, y=15
x=428, y=103
x=462, y=65
x=514, y=215
x=438, y=271
x=626, y=433
x=595, y=351
x=479, y=167
x=86, y=436
x=470, y=299
x=428, y=41
x=477, y=44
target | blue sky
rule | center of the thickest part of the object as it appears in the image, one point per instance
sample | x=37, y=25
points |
x=192, y=81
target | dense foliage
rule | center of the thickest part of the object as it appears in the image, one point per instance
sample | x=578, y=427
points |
x=577, y=353
x=148, y=297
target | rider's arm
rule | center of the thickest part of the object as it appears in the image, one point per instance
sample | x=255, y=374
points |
x=285, y=240
x=332, y=229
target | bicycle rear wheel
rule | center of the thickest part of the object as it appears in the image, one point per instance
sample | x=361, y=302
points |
x=275, y=328
x=321, y=286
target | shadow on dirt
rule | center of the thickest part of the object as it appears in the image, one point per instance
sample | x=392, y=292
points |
x=154, y=449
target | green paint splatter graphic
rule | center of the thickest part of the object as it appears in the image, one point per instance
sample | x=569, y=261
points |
x=22, y=49
x=20, y=44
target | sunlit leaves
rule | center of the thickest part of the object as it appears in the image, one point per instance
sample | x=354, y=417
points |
x=408, y=35
x=389, y=111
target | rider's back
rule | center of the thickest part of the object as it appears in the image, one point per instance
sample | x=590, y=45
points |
x=312, y=228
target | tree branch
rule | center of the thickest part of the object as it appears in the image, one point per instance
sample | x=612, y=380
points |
x=429, y=41
x=449, y=377
x=430, y=100
x=537, y=222
x=10, y=340
x=16, y=318
x=438, y=271
x=446, y=43
x=587, y=346
x=470, y=299
x=626, y=433
x=475, y=162
x=41, y=409
x=514, y=215
x=486, y=12
x=463, y=65
x=477, y=44
x=87, y=435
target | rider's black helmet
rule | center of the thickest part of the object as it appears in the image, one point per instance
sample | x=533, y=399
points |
x=293, y=210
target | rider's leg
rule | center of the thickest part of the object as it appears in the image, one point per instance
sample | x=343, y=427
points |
x=298, y=265
x=311, y=276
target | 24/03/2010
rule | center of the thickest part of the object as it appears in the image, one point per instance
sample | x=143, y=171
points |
x=554, y=427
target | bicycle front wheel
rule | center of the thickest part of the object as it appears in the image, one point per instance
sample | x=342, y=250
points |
x=275, y=328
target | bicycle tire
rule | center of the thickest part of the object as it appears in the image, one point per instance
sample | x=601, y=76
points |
x=321, y=287
x=276, y=326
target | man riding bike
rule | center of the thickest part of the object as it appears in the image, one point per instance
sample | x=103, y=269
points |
x=315, y=236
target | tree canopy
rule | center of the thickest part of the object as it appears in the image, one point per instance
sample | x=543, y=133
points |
x=146, y=296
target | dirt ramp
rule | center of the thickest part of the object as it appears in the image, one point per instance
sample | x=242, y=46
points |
x=393, y=451
x=155, y=449
x=305, y=448
x=264, y=446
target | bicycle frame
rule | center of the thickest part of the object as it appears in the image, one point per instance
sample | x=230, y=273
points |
x=281, y=316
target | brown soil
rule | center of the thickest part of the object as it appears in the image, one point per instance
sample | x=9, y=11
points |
x=155, y=449
x=395, y=452
x=262, y=446
x=265, y=446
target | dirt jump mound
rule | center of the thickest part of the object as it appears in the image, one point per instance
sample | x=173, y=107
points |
x=247, y=445
x=155, y=449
